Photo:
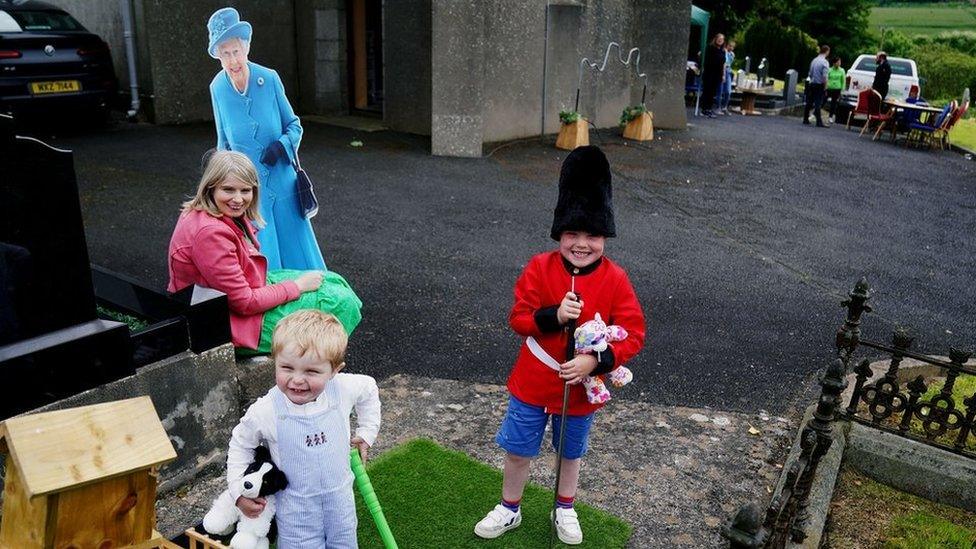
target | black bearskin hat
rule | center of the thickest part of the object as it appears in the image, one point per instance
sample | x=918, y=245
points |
x=585, y=195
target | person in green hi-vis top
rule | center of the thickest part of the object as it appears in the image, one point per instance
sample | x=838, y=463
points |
x=835, y=84
x=214, y=245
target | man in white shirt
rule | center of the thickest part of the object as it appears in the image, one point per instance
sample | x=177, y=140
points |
x=816, y=86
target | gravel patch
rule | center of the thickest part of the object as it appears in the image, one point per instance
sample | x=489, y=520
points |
x=674, y=476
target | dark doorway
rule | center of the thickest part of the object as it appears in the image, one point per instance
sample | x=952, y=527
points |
x=365, y=20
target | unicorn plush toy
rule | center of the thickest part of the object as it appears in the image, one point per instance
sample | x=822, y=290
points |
x=594, y=337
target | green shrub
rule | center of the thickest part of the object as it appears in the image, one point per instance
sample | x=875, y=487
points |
x=568, y=117
x=961, y=41
x=947, y=72
x=784, y=47
x=897, y=44
x=630, y=113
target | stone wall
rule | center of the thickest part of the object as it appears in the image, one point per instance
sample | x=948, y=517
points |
x=176, y=35
x=104, y=19
x=321, y=49
x=197, y=398
x=496, y=76
x=457, y=83
x=466, y=72
x=406, y=65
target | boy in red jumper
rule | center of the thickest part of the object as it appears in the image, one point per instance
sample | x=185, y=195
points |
x=574, y=282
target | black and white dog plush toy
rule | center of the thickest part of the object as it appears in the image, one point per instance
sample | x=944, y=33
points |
x=261, y=479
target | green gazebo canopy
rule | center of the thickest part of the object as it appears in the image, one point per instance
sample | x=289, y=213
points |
x=700, y=17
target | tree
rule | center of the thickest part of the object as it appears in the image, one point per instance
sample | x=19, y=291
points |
x=726, y=17
x=841, y=24
x=783, y=47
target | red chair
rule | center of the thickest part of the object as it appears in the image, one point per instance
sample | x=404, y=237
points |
x=956, y=117
x=874, y=113
x=862, y=105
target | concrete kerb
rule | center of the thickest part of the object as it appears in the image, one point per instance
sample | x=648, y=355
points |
x=906, y=464
x=913, y=467
x=824, y=479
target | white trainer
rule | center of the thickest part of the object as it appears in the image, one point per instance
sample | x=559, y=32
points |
x=498, y=521
x=568, y=526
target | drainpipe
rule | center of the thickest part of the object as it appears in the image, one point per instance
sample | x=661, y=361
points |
x=545, y=72
x=130, y=54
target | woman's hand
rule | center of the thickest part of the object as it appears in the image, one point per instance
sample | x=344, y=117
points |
x=575, y=370
x=250, y=507
x=360, y=444
x=309, y=281
x=569, y=309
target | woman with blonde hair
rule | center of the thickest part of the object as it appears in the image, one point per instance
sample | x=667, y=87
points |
x=214, y=245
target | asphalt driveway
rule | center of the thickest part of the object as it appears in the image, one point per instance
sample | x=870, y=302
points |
x=741, y=236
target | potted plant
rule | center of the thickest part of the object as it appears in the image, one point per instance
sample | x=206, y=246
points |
x=638, y=123
x=574, y=131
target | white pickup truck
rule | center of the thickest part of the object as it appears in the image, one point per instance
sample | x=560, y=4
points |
x=904, y=73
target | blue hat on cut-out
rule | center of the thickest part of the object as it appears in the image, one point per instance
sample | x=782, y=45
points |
x=225, y=24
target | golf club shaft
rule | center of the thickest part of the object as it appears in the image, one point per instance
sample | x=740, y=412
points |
x=369, y=498
x=570, y=354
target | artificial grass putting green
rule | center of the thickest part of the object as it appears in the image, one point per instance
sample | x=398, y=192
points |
x=433, y=497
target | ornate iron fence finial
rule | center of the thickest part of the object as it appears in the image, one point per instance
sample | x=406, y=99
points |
x=746, y=529
x=856, y=304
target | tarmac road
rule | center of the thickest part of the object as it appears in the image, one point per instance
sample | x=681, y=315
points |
x=741, y=236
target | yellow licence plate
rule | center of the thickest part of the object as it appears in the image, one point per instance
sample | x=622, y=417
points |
x=58, y=86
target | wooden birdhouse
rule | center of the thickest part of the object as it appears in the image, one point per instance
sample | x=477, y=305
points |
x=83, y=478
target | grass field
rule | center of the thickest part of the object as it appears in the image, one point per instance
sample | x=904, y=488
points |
x=927, y=19
x=432, y=497
x=865, y=513
x=964, y=134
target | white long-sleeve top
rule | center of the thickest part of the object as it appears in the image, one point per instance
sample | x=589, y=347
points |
x=259, y=423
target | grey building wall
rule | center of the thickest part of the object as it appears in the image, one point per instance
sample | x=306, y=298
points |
x=173, y=67
x=457, y=83
x=665, y=31
x=407, y=65
x=465, y=72
x=181, y=69
x=496, y=56
x=321, y=50
x=104, y=18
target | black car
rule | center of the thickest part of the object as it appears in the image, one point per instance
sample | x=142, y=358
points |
x=48, y=61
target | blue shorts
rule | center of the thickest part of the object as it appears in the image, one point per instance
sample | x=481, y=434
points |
x=524, y=425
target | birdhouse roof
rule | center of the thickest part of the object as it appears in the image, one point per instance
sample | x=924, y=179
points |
x=55, y=451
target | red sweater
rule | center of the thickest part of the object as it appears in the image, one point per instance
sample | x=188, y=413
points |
x=214, y=252
x=604, y=289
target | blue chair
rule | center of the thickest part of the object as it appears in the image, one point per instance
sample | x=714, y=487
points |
x=919, y=132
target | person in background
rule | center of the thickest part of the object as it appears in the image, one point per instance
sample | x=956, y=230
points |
x=835, y=84
x=714, y=73
x=882, y=74
x=725, y=89
x=815, y=86
x=906, y=116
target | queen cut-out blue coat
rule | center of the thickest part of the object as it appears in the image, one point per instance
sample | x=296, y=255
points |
x=247, y=123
